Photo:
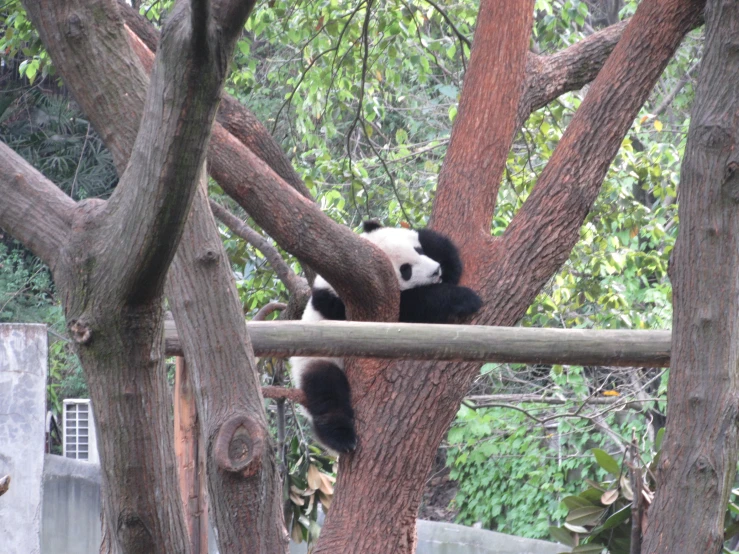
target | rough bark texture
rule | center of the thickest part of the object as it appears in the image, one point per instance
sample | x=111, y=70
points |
x=243, y=481
x=699, y=456
x=112, y=288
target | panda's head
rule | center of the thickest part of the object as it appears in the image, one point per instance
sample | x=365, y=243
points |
x=412, y=267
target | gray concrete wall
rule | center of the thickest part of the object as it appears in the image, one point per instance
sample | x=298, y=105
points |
x=71, y=514
x=23, y=353
x=72, y=521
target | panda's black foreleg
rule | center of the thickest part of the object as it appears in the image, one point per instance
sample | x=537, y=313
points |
x=328, y=401
x=438, y=303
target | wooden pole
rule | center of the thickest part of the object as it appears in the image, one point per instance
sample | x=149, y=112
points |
x=190, y=467
x=453, y=342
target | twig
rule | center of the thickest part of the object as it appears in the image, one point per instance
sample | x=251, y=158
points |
x=637, y=505
x=292, y=282
x=268, y=309
x=79, y=162
x=678, y=87
x=460, y=36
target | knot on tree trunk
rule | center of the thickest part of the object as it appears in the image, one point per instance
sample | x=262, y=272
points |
x=80, y=331
x=208, y=257
x=133, y=533
x=239, y=446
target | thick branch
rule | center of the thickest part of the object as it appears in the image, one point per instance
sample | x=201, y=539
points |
x=548, y=77
x=150, y=203
x=293, y=283
x=234, y=117
x=485, y=124
x=33, y=209
x=542, y=234
x=299, y=226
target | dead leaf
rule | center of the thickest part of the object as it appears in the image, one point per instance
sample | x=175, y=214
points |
x=313, y=477
x=609, y=497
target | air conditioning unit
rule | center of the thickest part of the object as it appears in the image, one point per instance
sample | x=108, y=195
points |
x=80, y=440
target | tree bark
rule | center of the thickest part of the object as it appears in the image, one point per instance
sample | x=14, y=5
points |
x=112, y=288
x=699, y=453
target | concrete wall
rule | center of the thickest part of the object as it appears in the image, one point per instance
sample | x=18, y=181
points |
x=23, y=353
x=72, y=521
x=71, y=514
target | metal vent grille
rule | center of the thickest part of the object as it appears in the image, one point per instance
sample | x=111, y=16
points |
x=79, y=430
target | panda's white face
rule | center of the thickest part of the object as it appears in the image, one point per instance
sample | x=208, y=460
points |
x=412, y=268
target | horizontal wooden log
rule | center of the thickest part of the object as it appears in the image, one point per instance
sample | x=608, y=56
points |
x=452, y=342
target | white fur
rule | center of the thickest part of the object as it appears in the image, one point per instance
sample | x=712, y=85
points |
x=400, y=246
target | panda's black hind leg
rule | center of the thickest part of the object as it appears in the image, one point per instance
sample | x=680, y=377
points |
x=328, y=401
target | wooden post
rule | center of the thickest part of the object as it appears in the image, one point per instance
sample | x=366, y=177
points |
x=190, y=461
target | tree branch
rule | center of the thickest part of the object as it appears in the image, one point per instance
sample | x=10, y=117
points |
x=667, y=100
x=234, y=117
x=481, y=138
x=33, y=209
x=548, y=77
x=542, y=234
x=293, y=283
x=169, y=150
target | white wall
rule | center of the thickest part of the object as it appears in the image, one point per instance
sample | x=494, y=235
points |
x=23, y=353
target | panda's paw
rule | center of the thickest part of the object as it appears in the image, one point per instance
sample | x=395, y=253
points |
x=336, y=432
x=467, y=302
x=328, y=401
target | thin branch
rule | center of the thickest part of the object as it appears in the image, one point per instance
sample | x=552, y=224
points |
x=293, y=283
x=365, y=56
x=462, y=38
x=296, y=395
x=482, y=400
x=685, y=79
x=268, y=309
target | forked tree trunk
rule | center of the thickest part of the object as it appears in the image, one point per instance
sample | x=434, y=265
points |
x=403, y=409
x=699, y=453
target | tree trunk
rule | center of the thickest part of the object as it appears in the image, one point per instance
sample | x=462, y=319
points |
x=699, y=453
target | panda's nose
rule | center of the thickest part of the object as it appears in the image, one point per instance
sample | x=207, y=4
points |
x=437, y=273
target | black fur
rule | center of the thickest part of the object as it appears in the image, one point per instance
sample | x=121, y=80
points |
x=370, y=225
x=439, y=303
x=328, y=304
x=439, y=248
x=328, y=401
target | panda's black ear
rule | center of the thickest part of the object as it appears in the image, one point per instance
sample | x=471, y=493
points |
x=371, y=225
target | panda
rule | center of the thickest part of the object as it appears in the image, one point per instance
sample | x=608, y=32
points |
x=428, y=268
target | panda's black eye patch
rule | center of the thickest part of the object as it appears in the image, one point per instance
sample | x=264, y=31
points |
x=406, y=271
x=419, y=250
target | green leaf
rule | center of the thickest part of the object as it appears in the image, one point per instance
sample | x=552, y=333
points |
x=658, y=439
x=616, y=519
x=588, y=549
x=562, y=536
x=574, y=502
x=589, y=515
x=606, y=461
